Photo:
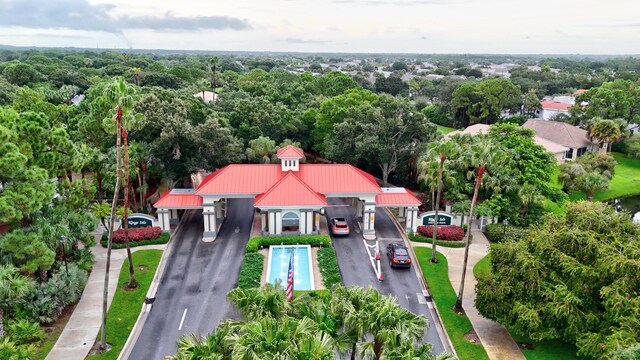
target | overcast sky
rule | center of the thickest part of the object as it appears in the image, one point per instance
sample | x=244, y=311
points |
x=400, y=26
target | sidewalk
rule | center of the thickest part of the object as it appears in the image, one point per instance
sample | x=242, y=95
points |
x=83, y=326
x=496, y=340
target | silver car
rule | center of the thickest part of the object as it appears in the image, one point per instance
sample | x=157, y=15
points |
x=339, y=226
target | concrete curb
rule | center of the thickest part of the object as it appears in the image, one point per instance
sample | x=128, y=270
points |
x=142, y=318
x=438, y=325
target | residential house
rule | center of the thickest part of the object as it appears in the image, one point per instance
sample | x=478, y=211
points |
x=575, y=139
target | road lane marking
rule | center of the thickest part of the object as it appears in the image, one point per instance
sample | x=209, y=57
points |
x=182, y=321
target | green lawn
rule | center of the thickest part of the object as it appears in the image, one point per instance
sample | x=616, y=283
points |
x=542, y=350
x=126, y=305
x=445, y=130
x=457, y=326
x=625, y=181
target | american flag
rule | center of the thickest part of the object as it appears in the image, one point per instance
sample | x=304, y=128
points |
x=290, y=280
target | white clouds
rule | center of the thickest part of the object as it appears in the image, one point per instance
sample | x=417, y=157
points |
x=459, y=26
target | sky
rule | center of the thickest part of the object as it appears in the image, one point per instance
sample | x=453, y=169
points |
x=367, y=26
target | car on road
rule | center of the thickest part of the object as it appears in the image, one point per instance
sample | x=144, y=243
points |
x=339, y=226
x=398, y=255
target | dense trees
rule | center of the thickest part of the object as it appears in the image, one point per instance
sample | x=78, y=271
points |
x=484, y=102
x=590, y=173
x=573, y=278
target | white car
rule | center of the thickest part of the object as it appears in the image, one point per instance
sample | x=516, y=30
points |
x=339, y=226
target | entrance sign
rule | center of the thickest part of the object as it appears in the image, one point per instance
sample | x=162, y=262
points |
x=428, y=218
x=138, y=220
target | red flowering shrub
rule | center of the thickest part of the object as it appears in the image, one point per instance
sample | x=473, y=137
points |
x=449, y=233
x=138, y=234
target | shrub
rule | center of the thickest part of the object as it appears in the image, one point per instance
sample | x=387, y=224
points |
x=24, y=331
x=328, y=263
x=496, y=232
x=10, y=350
x=138, y=234
x=83, y=258
x=251, y=271
x=45, y=302
x=265, y=241
x=423, y=239
x=447, y=233
x=163, y=239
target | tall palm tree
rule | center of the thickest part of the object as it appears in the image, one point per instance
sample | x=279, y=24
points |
x=605, y=131
x=12, y=287
x=482, y=153
x=443, y=150
x=123, y=94
x=213, y=62
x=591, y=182
x=429, y=176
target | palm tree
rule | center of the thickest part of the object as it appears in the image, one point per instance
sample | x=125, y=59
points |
x=481, y=153
x=258, y=303
x=591, y=182
x=101, y=210
x=213, y=61
x=443, y=150
x=429, y=176
x=12, y=287
x=605, y=131
x=123, y=95
x=212, y=347
x=529, y=195
x=137, y=72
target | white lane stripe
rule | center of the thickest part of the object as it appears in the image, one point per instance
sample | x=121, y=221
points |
x=182, y=321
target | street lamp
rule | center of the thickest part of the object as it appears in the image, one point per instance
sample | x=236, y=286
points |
x=64, y=254
x=505, y=222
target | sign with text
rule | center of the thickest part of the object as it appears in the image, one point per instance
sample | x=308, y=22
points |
x=137, y=220
x=428, y=218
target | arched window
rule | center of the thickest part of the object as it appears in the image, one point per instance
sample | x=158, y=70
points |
x=290, y=222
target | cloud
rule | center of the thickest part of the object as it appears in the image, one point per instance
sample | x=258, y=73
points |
x=392, y=3
x=305, y=41
x=81, y=15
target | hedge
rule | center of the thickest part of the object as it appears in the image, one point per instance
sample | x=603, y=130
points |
x=138, y=234
x=255, y=243
x=163, y=239
x=423, y=239
x=496, y=232
x=328, y=263
x=251, y=271
x=447, y=233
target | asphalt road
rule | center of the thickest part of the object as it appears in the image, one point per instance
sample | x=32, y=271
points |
x=356, y=268
x=197, y=278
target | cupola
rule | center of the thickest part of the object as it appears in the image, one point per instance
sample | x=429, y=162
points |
x=290, y=158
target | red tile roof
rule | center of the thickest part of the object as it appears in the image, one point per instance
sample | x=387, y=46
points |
x=290, y=151
x=290, y=191
x=178, y=200
x=397, y=197
x=553, y=105
x=258, y=178
x=579, y=91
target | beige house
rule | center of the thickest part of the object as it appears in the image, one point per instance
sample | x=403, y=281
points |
x=571, y=137
x=559, y=151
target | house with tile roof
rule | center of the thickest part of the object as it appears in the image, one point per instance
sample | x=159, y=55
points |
x=573, y=138
x=290, y=196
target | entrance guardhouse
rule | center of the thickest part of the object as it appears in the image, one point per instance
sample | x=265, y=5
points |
x=289, y=196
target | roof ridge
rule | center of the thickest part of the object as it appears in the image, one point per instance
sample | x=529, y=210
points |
x=360, y=172
x=215, y=175
x=290, y=174
x=569, y=132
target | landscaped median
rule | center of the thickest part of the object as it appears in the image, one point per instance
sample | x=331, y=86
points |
x=437, y=277
x=137, y=237
x=126, y=304
x=253, y=264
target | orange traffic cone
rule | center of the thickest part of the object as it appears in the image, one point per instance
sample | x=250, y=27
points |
x=381, y=278
x=377, y=255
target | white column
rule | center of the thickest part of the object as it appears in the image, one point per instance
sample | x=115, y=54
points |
x=210, y=223
x=309, y=219
x=402, y=213
x=218, y=209
x=302, y=222
x=163, y=219
x=263, y=221
x=272, y=222
x=412, y=219
x=278, y=218
x=173, y=216
x=359, y=208
x=368, y=221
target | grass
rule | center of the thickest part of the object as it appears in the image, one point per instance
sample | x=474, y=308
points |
x=625, y=181
x=483, y=267
x=457, y=326
x=542, y=350
x=126, y=305
x=445, y=130
x=50, y=340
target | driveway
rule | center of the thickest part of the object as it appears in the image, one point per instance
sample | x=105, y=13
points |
x=191, y=297
x=357, y=270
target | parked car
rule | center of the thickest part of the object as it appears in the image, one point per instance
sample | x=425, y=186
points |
x=398, y=255
x=339, y=226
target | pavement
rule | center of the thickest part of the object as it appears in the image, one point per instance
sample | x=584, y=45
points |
x=83, y=326
x=191, y=296
x=495, y=338
x=357, y=270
